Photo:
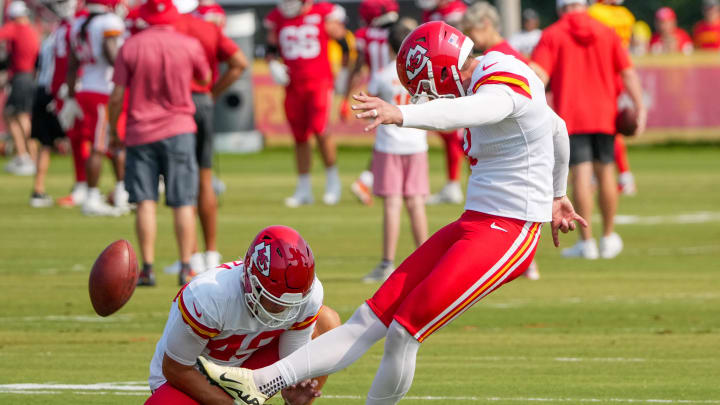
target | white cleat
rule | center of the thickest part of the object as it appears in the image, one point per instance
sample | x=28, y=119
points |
x=197, y=264
x=41, y=200
x=611, y=246
x=298, y=199
x=331, y=198
x=451, y=193
x=380, y=273
x=99, y=208
x=212, y=259
x=21, y=166
x=532, y=273
x=584, y=249
x=235, y=381
x=121, y=197
x=627, y=184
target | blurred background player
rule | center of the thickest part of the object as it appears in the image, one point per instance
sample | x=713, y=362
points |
x=706, y=33
x=451, y=12
x=95, y=40
x=157, y=66
x=211, y=12
x=612, y=14
x=399, y=162
x=218, y=49
x=23, y=45
x=374, y=52
x=581, y=59
x=45, y=126
x=640, y=40
x=669, y=38
x=298, y=32
x=526, y=40
x=248, y=314
x=481, y=23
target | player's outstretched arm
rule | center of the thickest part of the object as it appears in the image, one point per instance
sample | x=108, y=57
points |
x=190, y=381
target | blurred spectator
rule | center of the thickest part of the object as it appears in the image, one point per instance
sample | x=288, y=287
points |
x=399, y=164
x=157, y=66
x=615, y=16
x=526, y=40
x=706, y=33
x=581, y=58
x=640, y=40
x=450, y=11
x=218, y=49
x=212, y=12
x=669, y=38
x=23, y=45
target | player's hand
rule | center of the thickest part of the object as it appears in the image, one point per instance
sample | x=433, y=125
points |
x=344, y=110
x=641, y=121
x=116, y=143
x=376, y=109
x=69, y=112
x=301, y=393
x=563, y=218
x=279, y=72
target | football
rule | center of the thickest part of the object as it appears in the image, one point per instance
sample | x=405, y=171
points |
x=626, y=122
x=113, y=277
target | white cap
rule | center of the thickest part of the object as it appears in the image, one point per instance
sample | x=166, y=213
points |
x=563, y=3
x=17, y=9
x=186, y=6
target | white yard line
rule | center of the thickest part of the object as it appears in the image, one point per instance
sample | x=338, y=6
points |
x=139, y=388
x=700, y=217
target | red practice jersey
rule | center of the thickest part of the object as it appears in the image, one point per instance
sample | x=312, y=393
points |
x=303, y=42
x=373, y=42
x=449, y=12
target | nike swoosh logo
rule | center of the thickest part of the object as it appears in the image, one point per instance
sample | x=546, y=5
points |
x=198, y=313
x=245, y=398
x=494, y=226
x=486, y=67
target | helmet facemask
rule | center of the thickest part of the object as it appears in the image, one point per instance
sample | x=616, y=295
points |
x=427, y=90
x=254, y=291
x=290, y=8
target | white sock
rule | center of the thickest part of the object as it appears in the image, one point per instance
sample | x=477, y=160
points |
x=304, y=185
x=332, y=178
x=94, y=194
x=397, y=367
x=81, y=185
x=367, y=178
x=329, y=353
x=120, y=185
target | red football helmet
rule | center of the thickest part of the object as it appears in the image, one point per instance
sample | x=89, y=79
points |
x=292, y=8
x=377, y=13
x=280, y=267
x=430, y=60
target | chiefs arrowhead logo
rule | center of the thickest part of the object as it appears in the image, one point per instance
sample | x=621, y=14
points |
x=261, y=258
x=415, y=61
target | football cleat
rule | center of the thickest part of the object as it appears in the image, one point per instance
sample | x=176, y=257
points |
x=235, y=381
x=379, y=273
x=40, y=200
x=146, y=279
x=299, y=199
x=584, y=249
x=611, y=246
x=532, y=273
x=362, y=192
x=451, y=193
x=185, y=276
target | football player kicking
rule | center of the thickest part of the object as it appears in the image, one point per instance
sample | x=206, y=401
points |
x=518, y=150
x=247, y=314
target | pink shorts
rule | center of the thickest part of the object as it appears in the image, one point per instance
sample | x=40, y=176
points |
x=307, y=108
x=400, y=175
x=169, y=395
x=458, y=266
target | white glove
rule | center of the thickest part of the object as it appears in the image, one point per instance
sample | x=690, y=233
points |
x=279, y=72
x=70, y=112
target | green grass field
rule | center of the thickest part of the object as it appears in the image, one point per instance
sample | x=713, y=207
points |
x=643, y=328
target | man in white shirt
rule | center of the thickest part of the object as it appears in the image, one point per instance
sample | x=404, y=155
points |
x=518, y=150
x=526, y=40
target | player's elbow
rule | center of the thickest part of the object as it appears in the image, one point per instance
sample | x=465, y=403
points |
x=174, y=371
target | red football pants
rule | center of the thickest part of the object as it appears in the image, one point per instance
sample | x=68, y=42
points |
x=459, y=265
x=169, y=395
x=453, y=153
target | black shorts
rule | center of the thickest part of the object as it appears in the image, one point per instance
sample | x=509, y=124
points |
x=45, y=125
x=174, y=159
x=205, y=129
x=592, y=148
x=22, y=92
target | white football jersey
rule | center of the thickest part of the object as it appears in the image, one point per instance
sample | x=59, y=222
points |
x=512, y=160
x=212, y=315
x=97, y=71
x=391, y=138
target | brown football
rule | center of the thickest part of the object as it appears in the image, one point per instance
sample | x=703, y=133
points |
x=626, y=121
x=113, y=277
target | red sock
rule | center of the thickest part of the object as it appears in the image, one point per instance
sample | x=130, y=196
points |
x=621, y=159
x=81, y=153
x=453, y=154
